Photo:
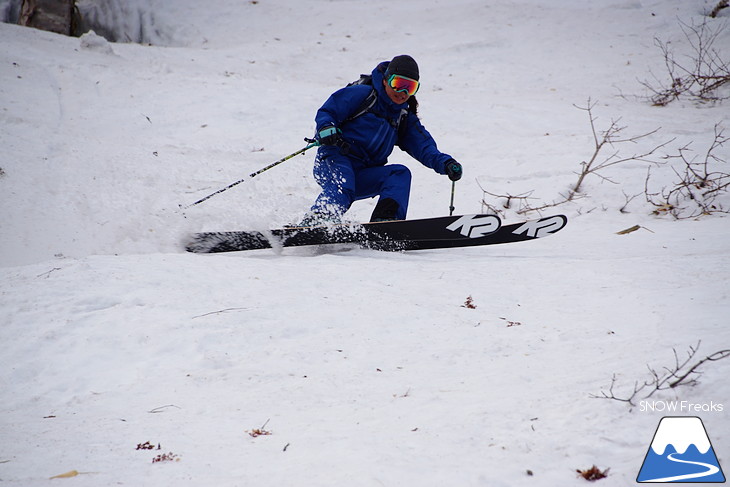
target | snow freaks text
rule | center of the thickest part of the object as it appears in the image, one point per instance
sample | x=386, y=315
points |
x=680, y=407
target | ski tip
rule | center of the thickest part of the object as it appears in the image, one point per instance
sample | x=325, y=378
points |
x=191, y=242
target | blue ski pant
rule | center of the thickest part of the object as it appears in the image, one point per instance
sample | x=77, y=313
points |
x=345, y=180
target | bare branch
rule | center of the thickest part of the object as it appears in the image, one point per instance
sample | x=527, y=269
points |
x=699, y=185
x=710, y=358
x=611, y=136
x=598, y=162
x=679, y=374
x=701, y=76
x=508, y=199
x=721, y=5
x=628, y=200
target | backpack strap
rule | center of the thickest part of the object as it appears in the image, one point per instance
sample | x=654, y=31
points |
x=369, y=102
x=366, y=105
x=398, y=127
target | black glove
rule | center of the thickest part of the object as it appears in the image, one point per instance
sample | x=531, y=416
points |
x=329, y=135
x=453, y=170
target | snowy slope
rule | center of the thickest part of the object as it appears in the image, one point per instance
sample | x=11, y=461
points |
x=365, y=367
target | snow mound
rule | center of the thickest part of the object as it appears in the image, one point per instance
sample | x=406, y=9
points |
x=96, y=43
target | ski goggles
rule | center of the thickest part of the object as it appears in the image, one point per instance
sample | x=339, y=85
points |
x=403, y=84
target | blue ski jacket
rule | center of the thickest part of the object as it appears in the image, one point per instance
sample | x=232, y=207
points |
x=374, y=134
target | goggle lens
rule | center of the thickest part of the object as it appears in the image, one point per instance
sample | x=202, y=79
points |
x=403, y=84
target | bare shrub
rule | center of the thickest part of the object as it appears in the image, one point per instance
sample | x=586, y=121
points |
x=610, y=137
x=681, y=373
x=701, y=181
x=699, y=75
x=605, y=155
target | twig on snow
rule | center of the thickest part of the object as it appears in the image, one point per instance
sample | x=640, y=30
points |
x=219, y=312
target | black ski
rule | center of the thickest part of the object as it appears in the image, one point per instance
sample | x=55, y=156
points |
x=428, y=233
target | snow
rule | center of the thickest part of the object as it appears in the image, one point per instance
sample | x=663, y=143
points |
x=367, y=368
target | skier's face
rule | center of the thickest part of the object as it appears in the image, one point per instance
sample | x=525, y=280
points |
x=397, y=97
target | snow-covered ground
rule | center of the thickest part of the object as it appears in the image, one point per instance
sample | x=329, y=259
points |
x=366, y=368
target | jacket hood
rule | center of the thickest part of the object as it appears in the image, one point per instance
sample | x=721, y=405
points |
x=378, y=77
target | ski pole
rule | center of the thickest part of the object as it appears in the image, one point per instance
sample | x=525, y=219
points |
x=451, y=205
x=254, y=174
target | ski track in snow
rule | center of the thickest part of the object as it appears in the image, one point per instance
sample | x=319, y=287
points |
x=711, y=470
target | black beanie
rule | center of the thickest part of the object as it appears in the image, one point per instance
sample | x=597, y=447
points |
x=403, y=65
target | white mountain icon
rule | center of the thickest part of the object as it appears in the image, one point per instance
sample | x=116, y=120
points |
x=681, y=432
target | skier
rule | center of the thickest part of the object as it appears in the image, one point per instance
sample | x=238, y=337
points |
x=357, y=129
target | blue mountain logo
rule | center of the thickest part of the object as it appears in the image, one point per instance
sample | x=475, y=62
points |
x=681, y=452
